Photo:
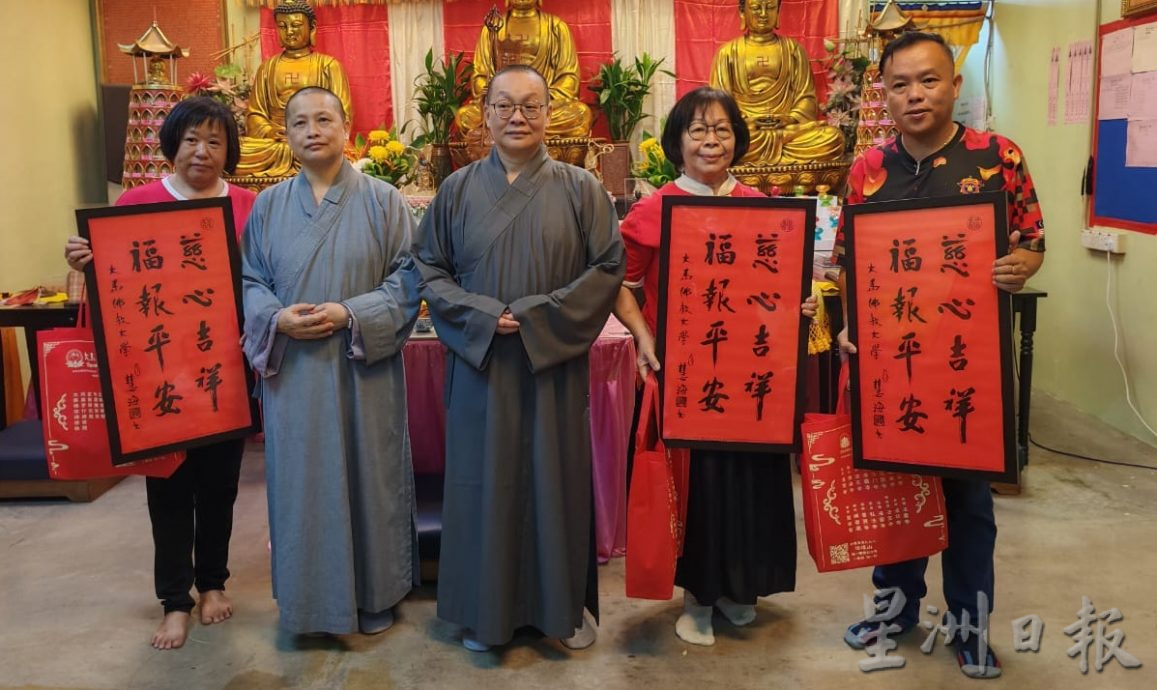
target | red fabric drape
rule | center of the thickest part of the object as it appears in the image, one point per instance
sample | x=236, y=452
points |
x=590, y=26
x=701, y=26
x=359, y=37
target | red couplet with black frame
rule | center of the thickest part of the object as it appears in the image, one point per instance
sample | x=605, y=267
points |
x=932, y=380
x=733, y=272
x=164, y=286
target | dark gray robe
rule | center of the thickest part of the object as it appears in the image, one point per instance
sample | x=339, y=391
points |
x=337, y=450
x=517, y=516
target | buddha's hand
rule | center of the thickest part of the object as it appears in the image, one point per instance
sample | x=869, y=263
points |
x=769, y=122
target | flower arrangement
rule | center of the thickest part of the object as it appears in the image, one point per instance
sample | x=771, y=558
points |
x=654, y=166
x=385, y=157
x=845, y=77
x=229, y=85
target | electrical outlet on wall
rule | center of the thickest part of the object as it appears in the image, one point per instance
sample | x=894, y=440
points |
x=1103, y=240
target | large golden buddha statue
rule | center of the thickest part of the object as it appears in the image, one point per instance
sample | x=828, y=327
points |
x=528, y=36
x=264, y=151
x=771, y=80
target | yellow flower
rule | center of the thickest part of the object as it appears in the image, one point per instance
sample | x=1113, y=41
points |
x=379, y=154
x=646, y=145
x=396, y=148
x=379, y=136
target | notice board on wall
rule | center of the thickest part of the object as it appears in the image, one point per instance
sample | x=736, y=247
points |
x=1125, y=130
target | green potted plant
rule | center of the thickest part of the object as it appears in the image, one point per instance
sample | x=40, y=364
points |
x=438, y=93
x=621, y=89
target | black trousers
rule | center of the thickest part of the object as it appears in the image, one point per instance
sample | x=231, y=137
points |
x=192, y=516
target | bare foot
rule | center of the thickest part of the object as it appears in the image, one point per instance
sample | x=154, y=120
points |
x=215, y=607
x=173, y=631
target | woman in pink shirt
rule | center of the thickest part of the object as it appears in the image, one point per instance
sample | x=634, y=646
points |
x=191, y=511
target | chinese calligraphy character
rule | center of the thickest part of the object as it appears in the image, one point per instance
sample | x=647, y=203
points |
x=1107, y=647
x=958, y=361
x=158, y=339
x=957, y=308
x=759, y=386
x=210, y=380
x=713, y=296
x=761, y=348
x=154, y=302
x=909, y=348
x=191, y=247
x=715, y=334
x=960, y=405
x=764, y=300
x=910, y=419
x=712, y=397
x=908, y=304
x=166, y=399
x=765, y=252
x=151, y=260
x=724, y=254
x=911, y=260
x=201, y=297
x=954, y=255
x=204, y=342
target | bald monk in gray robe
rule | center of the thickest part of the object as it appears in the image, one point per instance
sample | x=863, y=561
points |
x=330, y=296
x=521, y=261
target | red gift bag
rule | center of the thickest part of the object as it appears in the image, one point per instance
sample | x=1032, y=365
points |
x=656, y=506
x=72, y=410
x=856, y=518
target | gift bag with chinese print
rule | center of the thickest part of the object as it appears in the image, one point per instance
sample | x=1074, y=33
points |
x=656, y=506
x=856, y=518
x=72, y=409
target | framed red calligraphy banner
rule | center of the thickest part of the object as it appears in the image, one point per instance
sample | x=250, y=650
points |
x=932, y=380
x=732, y=274
x=164, y=288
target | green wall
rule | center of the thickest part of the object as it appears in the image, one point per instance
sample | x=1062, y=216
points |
x=1074, y=340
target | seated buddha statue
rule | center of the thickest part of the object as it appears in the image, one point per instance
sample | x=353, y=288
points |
x=527, y=36
x=264, y=149
x=771, y=81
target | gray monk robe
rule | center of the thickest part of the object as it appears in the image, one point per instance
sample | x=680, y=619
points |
x=337, y=451
x=517, y=517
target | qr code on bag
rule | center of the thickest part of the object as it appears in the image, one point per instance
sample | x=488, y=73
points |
x=838, y=554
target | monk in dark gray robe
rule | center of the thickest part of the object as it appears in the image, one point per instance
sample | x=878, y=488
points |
x=330, y=295
x=521, y=261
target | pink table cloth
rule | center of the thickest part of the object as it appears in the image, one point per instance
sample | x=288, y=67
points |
x=612, y=388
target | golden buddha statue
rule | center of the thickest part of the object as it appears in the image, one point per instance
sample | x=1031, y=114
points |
x=264, y=151
x=771, y=80
x=528, y=36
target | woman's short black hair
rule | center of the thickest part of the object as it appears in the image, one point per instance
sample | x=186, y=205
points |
x=693, y=104
x=195, y=111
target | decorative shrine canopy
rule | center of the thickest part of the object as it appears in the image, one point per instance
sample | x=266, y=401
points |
x=153, y=42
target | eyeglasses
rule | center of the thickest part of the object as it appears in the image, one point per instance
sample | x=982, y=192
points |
x=505, y=110
x=698, y=131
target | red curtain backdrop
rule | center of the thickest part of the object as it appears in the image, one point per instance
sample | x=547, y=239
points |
x=590, y=26
x=359, y=37
x=701, y=26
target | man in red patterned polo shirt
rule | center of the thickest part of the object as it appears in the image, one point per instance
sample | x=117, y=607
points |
x=935, y=156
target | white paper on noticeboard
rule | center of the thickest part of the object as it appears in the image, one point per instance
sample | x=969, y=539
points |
x=1114, y=97
x=1145, y=48
x=1141, y=144
x=1117, y=53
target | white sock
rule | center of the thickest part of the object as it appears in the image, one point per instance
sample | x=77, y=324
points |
x=738, y=614
x=584, y=635
x=694, y=624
